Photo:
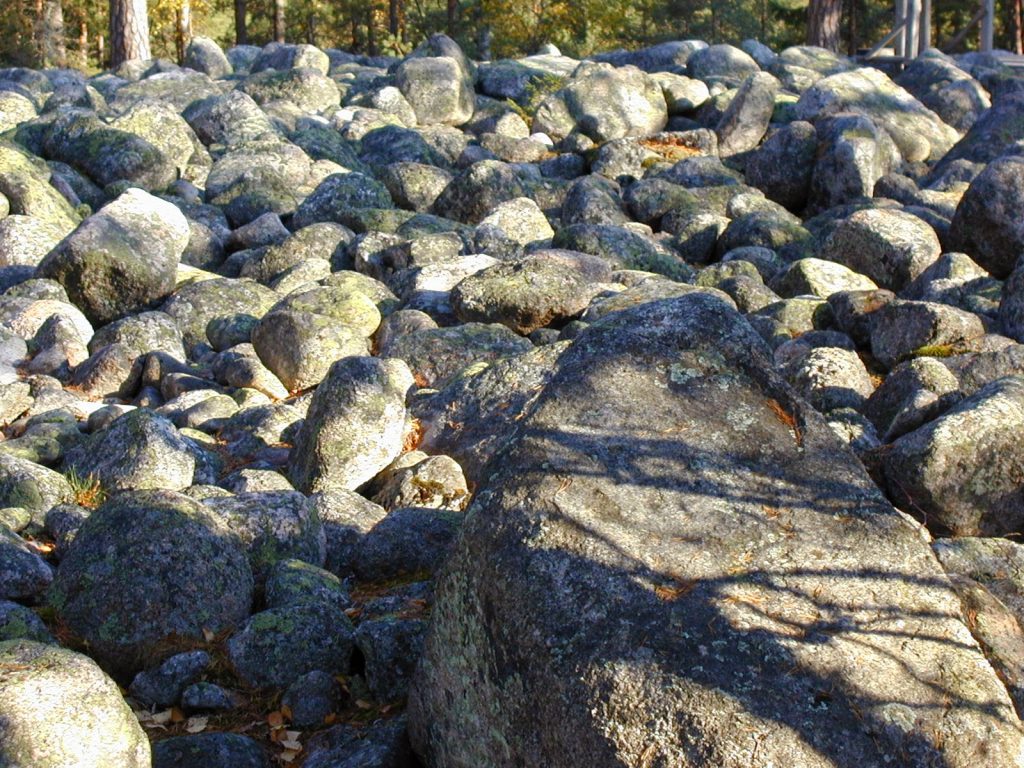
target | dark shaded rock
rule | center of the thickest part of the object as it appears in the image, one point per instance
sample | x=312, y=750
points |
x=987, y=225
x=409, y=541
x=209, y=750
x=163, y=685
x=112, y=587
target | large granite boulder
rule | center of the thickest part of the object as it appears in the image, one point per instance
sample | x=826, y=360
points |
x=675, y=551
x=121, y=259
x=988, y=225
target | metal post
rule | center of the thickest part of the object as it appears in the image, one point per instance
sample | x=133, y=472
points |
x=900, y=43
x=913, y=21
x=926, y=25
x=987, y=25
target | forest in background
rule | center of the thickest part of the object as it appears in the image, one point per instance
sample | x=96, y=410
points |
x=76, y=33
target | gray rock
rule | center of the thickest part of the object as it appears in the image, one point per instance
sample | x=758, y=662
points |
x=722, y=64
x=33, y=487
x=391, y=647
x=312, y=699
x=819, y=277
x=746, y=119
x=60, y=709
x=417, y=480
x=207, y=697
x=438, y=88
x=853, y=153
x=279, y=56
x=140, y=450
x=913, y=393
x=112, y=587
x=25, y=240
x=141, y=334
x=477, y=191
x=240, y=367
x=230, y=120
x=279, y=645
x=547, y=287
x=107, y=154
x=355, y=425
x=994, y=132
x=383, y=745
x=295, y=581
x=195, y=305
x=308, y=89
x=917, y=131
x=587, y=104
x=163, y=685
x=410, y=541
x=945, y=89
x=211, y=750
x=338, y=193
x=593, y=200
x=346, y=517
x=957, y=471
x=24, y=181
x=624, y=248
x=890, y=247
x=562, y=564
x=782, y=166
x=204, y=55
x=271, y=526
x=682, y=94
x=414, y=186
x=987, y=225
x=24, y=575
x=121, y=259
x=904, y=328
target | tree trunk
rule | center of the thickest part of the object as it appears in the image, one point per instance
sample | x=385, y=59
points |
x=371, y=32
x=183, y=29
x=83, y=45
x=279, y=7
x=1016, y=31
x=453, y=13
x=129, y=31
x=823, y=23
x=394, y=16
x=241, y=30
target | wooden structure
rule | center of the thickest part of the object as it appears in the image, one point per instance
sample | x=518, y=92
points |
x=912, y=30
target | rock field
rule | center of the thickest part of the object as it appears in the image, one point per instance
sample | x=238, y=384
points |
x=661, y=410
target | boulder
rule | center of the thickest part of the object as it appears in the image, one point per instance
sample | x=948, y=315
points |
x=112, y=587
x=121, y=259
x=355, y=425
x=594, y=102
x=204, y=55
x=987, y=225
x=675, y=538
x=60, y=710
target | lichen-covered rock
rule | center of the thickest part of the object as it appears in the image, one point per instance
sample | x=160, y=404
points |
x=477, y=191
x=112, y=588
x=121, y=259
x=594, y=607
x=747, y=117
x=593, y=103
x=819, y=277
x=140, y=450
x=383, y=745
x=355, y=425
x=60, y=710
x=853, y=153
x=25, y=183
x=987, y=225
x=624, y=248
x=917, y=131
x=142, y=333
x=20, y=623
x=890, y=247
x=721, y=64
x=903, y=328
x=309, y=90
x=231, y=119
x=31, y=486
x=418, y=480
x=995, y=131
x=945, y=89
x=959, y=470
x=195, y=305
x=107, y=154
x=271, y=526
x=438, y=88
x=290, y=582
x=346, y=517
x=410, y=541
x=279, y=645
x=163, y=127
x=913, y=393
x=531, y=293
x=25, y=240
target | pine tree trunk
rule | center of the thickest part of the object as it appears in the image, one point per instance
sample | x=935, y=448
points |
x=279, y=8
x=129, y=31
x=823, y=23
x=393, y=18
x=1016, y=31
x=241, y=30
x=83, y=45
x=453, y=13
x=183, y=29
x=371, y=32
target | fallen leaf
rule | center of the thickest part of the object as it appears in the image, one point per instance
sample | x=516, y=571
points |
x=288, y=755
x=196, y=724
x=177, y=716
x=162, y=717
x=286, y=712
x=275, y=720
x=363, y=704
x=291, y=745
x=208, y=635
x=292, y=735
